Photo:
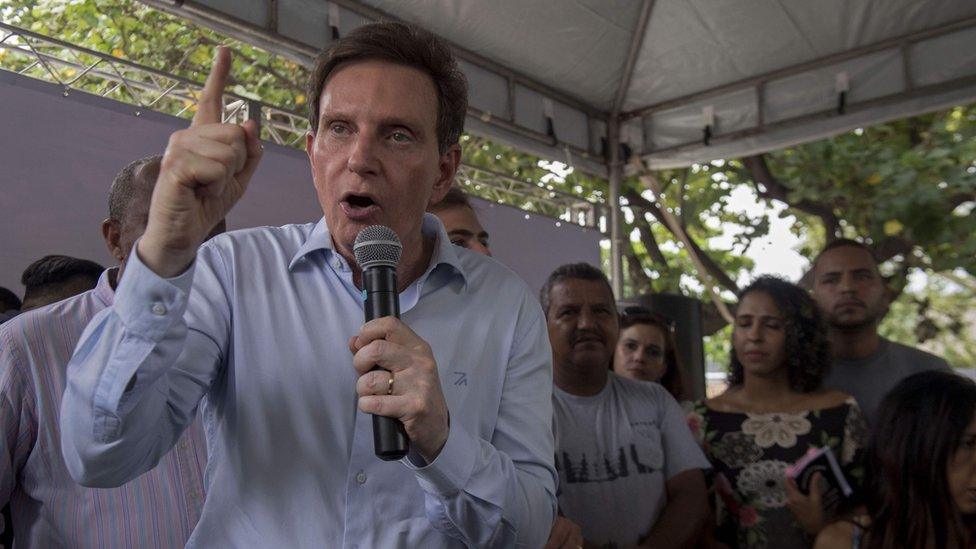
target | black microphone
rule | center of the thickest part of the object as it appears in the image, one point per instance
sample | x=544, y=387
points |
x=377, y=250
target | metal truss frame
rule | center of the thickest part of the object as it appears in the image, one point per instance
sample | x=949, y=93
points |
x=75, y=68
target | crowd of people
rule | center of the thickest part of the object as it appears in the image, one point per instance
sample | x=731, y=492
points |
x=219, y=394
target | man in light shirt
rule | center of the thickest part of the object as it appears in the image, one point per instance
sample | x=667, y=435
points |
x=265, y=326
x=461, y=222
x=157, y=509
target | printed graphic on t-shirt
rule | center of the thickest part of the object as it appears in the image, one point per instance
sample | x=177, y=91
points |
x=583, y=467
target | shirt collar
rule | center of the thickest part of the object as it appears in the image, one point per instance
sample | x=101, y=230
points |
x=103, y=289
x=445, y=253
x=318, y=239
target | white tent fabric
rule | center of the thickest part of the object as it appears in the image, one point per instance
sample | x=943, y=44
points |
x=547, y=75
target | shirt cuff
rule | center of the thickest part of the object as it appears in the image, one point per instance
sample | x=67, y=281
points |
x=451, y=469
x=148, y=304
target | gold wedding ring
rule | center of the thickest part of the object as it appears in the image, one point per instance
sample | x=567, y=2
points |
x=389, y=387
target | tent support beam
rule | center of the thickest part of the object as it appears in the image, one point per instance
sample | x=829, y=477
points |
x=615, y=168
x=615, y=175
x=635, y=45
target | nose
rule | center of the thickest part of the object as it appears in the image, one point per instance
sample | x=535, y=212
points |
x=585, y=320
x=754, y=332
x=639, y=355
x=846, y=283
x=362, y=157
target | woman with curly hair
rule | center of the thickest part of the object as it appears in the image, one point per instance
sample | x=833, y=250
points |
x=774, y=411
x=920, y=489
x=646, y=351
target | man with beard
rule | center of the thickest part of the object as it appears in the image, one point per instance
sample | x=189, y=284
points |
x=853, y=297
x=630, y=472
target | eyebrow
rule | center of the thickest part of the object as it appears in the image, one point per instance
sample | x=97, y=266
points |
x=467, y=233
x=415, y=126
x=859, y=270
x=761, y=317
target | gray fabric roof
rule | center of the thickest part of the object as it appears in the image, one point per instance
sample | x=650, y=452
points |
x=762, y=74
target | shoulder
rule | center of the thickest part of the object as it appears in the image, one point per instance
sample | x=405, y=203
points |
x=487, y=274
x=496, y=285
x=644, y=393
x=293, y=235
x=830, y=398
x=838, y=534
x=916, y=359
x=43, y=323
x=728, y=401
x=253, y=246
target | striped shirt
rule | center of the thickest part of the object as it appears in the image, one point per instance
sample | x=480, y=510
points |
x=158, y=509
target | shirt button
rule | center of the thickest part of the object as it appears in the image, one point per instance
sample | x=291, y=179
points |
x=158, y=309
x=361, y=477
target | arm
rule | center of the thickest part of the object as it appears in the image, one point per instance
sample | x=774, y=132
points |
x=16, y=417
x=139, y=371
x=834, y=536
x=684, y=517
x=485, y=493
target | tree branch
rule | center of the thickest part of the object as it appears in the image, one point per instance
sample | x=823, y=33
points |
x=648, y=240
x=713, y=268
x=772, y=188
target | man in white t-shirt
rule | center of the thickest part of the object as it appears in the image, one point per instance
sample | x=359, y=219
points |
x=630, y=472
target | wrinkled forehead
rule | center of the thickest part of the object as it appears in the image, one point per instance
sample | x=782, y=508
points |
x=380, y=89
x=844, y=259
x=578, y=291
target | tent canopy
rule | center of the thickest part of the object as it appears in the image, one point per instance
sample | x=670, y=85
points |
x=687, y=80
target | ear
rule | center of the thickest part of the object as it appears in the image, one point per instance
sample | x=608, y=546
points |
x=309, y=139
x=447, y=169
x=112, y=233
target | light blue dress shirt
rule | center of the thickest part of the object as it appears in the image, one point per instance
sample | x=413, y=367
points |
x=258, y=328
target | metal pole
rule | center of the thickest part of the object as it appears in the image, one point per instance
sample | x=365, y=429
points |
x=616, y=239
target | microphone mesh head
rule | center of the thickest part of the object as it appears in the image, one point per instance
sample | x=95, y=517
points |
x=377, y=245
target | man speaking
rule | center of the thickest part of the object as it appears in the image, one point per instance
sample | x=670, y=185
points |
x=265, y=326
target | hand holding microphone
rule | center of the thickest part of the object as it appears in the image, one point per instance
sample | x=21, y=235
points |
x=398, y=374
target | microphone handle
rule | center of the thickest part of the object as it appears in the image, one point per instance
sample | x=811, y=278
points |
x=380, y=298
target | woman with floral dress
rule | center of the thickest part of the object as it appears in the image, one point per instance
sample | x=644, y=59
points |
x=774, y=411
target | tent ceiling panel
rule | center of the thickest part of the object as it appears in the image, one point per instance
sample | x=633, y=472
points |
x=877, y=74
x=301, y=21
x=765, y=67
x=731, y=112
x=693, y=46
x=812, y=128
x=576, y=46
x=933, y=61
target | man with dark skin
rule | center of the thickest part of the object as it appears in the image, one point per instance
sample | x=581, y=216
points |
x=854, y=298
x=47, y=506
x=630, y=470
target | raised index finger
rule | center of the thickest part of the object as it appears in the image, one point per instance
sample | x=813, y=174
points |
x=209, y=107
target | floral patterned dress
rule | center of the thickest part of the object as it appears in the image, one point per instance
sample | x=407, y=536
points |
x=750, y=453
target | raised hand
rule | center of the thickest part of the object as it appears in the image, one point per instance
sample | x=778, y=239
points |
x=204, y=172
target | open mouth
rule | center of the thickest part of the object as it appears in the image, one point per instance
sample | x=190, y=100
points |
x=359, y=201
x=358, y=206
